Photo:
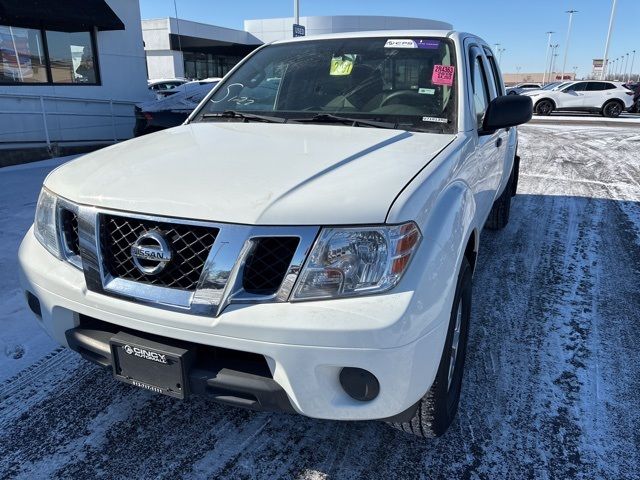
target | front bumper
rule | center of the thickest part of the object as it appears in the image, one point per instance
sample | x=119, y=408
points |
x=305, y=344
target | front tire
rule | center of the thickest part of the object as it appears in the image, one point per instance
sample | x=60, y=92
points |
x=437, y=409
x=544, y=107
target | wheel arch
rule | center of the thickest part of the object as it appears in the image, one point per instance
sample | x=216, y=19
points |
x=613, y=100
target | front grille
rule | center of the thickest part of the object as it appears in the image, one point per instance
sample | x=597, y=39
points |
x=267, y=264
x=190, y=246
x=69, y=223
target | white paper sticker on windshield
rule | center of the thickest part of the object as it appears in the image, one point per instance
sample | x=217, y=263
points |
x=426, y=91
x=400, y=43
x=435, y=119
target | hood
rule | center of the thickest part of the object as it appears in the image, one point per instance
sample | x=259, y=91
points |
x=253, y=173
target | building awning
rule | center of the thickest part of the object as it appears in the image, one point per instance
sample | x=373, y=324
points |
x=62, y=15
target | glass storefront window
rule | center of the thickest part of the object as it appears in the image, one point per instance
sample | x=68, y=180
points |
x=199, y=65
x=22, y=58
x=71, y=57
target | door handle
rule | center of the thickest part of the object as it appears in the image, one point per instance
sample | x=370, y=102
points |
x=499, y=142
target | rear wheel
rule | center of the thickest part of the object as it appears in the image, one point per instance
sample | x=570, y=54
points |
x=499, y=215
x=612, y=109
x=544, y=107
x=437, y=409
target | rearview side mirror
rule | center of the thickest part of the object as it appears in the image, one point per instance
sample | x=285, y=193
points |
x=506, y=111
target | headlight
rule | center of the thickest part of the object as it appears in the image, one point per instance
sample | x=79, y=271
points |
x=45, y=222
x=346, y=262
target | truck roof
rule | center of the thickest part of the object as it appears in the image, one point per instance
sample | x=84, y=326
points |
x=382, y=33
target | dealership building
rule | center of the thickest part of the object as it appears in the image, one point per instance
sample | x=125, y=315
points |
x=71, y=71
x=182, y=48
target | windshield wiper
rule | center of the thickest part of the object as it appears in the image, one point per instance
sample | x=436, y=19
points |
x=354, y=122
x=247, y=117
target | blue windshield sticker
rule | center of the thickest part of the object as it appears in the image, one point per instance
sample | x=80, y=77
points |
x=400, y=43
x=426, y=43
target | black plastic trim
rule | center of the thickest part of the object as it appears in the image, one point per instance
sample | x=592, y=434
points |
x=240, y=379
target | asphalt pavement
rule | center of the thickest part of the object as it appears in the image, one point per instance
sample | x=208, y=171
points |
x=551, y=390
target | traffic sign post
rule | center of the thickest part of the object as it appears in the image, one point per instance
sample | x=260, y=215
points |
x=298, y=30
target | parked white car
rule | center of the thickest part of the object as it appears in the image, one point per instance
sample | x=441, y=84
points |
x=165, y=83
x=305, y=242
x=522, y=87
x=607, y=98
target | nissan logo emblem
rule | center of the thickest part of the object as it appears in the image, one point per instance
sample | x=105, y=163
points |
x=151, y=253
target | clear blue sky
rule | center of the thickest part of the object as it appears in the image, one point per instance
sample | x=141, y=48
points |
x=518, y=25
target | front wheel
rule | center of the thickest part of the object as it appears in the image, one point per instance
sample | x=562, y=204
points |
x=437, y=409
x=544, y=107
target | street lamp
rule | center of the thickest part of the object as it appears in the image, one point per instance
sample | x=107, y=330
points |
x=553, y=63
x=626, y=64
x=606, y=45
x=620, y=69
x=500, y=57
x=631, y=69
x=566, y=48
x=554, y=49
x=546, y=57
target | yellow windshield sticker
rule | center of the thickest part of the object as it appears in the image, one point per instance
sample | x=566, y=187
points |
x=342, y=65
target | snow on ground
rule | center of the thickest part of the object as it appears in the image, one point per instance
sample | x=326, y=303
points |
x=551, y=390
x=21, y=340
x=589, y=117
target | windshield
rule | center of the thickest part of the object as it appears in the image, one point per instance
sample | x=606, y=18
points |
x=400, y=83
x=555, y=86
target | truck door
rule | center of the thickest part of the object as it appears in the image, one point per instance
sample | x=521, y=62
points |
x=490, y=148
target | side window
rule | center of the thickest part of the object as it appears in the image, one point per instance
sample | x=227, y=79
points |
x=480, y=90
x=609, y=86
x=595, y=86
x=495, y=72
x=576, y=87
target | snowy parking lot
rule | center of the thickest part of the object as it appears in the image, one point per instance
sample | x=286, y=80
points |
x=551, y=390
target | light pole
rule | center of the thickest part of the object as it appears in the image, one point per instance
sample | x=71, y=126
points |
x=500, y=57
x=575, y=72
x=626, y=64
x=631, y=69
x=296, y=11
x=566, y=47
x=620, y=69
x=606, y=45
x=553, y=63
x=546, y=57
x=614, y=63
x=552, y=58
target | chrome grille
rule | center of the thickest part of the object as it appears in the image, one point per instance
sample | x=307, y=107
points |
x=190, y=245
x=267, y=264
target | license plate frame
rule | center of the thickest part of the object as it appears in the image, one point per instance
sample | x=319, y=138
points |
x=151, y=365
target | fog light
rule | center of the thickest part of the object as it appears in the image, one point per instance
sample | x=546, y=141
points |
x=359, y=384
x=34, y=304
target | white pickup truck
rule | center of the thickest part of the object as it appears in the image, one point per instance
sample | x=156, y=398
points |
x=305, y=242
